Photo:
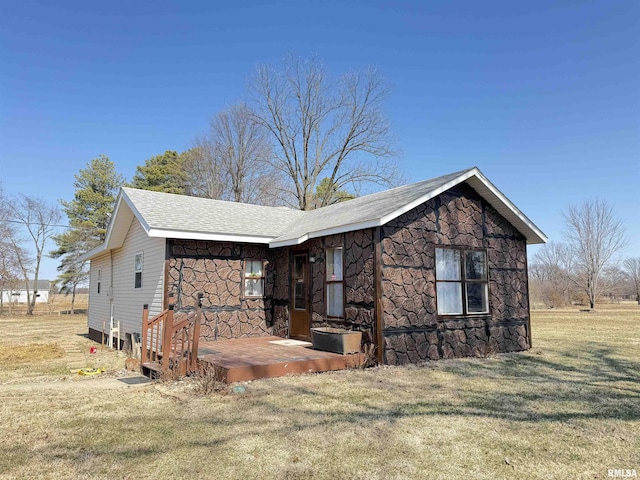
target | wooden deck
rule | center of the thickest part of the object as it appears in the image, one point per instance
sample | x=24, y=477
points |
x=240, y=359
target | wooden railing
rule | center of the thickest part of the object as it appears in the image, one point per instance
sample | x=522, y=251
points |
x=170, y=344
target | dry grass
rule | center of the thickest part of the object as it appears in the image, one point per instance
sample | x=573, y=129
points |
x=569, y=408
x=40, y=347
x=30, y=354
x=58, y=303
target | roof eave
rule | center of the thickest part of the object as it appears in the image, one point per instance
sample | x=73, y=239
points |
x=425, y=198
x=514, y=215
x=94, y=252
x=323, y=233
x=519, y=220
x=221, y=237
x=109, y=242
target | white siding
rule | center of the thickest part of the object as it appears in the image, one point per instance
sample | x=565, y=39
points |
x=127, y=300
x=99, y=302
x=20, y=296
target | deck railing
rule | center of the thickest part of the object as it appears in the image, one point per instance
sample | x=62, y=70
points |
x=171, y=344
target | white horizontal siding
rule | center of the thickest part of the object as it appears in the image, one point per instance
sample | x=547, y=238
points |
x=20, y=296
x=99, y=302
x=127, y=300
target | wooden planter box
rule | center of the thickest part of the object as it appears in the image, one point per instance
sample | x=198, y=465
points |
x=336, y=340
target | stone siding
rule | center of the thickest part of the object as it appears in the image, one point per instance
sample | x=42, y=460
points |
x=412, y=329
x=358, y=259
x=215, y=269
x=280, y=258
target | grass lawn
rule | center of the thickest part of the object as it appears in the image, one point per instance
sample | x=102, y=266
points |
x=568, y=408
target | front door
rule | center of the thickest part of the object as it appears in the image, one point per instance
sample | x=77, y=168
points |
x=301, y=310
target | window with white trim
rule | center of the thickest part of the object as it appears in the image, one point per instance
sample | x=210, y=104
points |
x=253, y=278
x=462, y=286
x=334, y=282
x=137, y=270
x=99, y=280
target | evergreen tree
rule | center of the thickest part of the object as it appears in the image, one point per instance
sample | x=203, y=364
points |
x=328, y=193
x=89, y=212
x=162, y=173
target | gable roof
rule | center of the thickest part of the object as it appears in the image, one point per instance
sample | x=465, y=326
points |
x=178, y=216
x=362, y=212
x=42, y=285
x=382, y=207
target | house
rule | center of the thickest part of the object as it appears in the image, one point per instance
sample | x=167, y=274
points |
x=435, y=269
x=19, y=295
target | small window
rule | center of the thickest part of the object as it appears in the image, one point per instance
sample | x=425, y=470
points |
x=335, y=282
x=99, y=280
x=137, y=268
x=254, y=278
x=462, y=286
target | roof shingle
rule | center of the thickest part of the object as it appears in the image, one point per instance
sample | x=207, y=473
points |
x=166, y=211
x=179, y=216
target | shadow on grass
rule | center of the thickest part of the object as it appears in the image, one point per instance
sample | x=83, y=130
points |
x=590, y=382
x=525, y=387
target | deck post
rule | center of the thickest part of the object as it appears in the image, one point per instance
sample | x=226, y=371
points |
x=166, y=338
x=144, y=353
x=377, y=288
x=196, y=334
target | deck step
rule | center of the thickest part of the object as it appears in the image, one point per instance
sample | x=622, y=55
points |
x=151, y=369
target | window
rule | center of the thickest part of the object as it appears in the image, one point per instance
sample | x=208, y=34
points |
x=137, y=269
x=461, y=281
x=253, y=278
x=99, y=279
x=335, y=283
x=300, y=282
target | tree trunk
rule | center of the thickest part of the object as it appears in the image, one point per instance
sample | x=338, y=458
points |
x=73, y=300
x=32, y=304
x=29, y=309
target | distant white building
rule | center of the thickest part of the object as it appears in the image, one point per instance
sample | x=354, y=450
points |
x=17, y=295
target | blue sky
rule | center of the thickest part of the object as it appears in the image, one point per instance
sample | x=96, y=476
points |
x=544, y=97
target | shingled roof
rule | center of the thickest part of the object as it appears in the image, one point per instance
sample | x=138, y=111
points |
x=361, y=212
x=179, y=216
x=166, y=212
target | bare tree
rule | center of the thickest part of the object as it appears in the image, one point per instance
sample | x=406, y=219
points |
x=22, y=260
x=631, y=268
x=614, y=283
x=325, y=128
x=232, y=160
x=550, y=273
x=10, y=271
x=204, y=173
x=10, y=267
x=595, y=236
x=242, y=148
x=39, y=224
x=51, y=299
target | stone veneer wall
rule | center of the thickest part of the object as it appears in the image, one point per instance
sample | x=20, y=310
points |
x=358, y=280
x=412, y=330
x=215, y=269
x=359, y=293
x=281, y=292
